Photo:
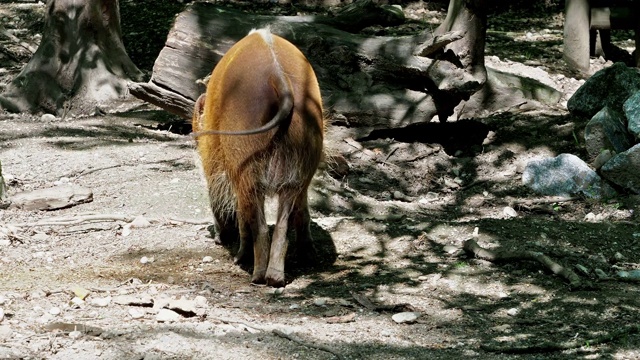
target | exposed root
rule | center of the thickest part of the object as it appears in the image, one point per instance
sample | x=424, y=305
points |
x=76, y=220
x=77, y=174
x=297, y=340
x=550, y=346
x=471, y=246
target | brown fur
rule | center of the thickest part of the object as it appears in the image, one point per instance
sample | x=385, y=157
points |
x=263, y=86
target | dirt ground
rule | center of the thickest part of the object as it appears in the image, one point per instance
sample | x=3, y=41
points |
x=389, y=235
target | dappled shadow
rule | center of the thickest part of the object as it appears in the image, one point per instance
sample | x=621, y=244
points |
x=89, y=133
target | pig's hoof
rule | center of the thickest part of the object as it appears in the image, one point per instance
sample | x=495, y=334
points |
x=275, y=278
x=258, y=277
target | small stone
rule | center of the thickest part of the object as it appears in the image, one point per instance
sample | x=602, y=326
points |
x=320, y=302
x=2, y=300
x=399, y=195
x=136, y=313
x=582, y=269
x=48, y=118
x=5, y=332
x=513, y=312
x=140, y=222
x=101, y=302
x=200, y=301
x=294, y=306
x=600, y=273
x=145, y=260
x=278, y=291
x=166, y=315
x=40, y=237
x=450, y=249
x=207, y=259
x=618, y=256
x=509, y=212
x=37, y=294
x=1, y=314
x=75, y=334
x=76, y=301
x=405, y=317
x=55, y=311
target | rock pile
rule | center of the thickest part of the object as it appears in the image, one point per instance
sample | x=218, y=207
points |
x=611, y=98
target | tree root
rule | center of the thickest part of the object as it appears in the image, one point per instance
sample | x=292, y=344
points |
x=549, y=346
x=471, y=246
x=76, y=220
x=297, y=340
x=77, y=174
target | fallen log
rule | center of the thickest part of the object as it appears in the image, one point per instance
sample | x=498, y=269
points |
x=375, y=81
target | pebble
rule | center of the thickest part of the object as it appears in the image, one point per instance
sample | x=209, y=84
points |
x=5, y=332
x=509, y=212
x=55, y=311
x=136, y=313
x=2, y=300
x=101, y=302
x=140, y=222
x=40, y=237
x=75, y=334
x=405, y=317
x=513, y=312
x=600, y=273
x=450, y=249
x=633, y=274
x=294, y=306
x=200, y=301
x=582, y=269
x=145, y=260
x=207, y=259
x=1, y=314
x=320, y=302
x=166, y=315
x=47, y=117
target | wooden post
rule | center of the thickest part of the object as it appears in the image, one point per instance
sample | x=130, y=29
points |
x=576, y=34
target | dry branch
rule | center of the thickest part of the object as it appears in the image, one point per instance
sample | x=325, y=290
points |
x=471, y=246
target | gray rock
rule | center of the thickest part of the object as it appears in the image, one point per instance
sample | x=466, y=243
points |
x=624, y=169
x=632, y=112
x=602, y=158
x=166, y=315
x=565, y=175
x=47, y=118
x=57, y=197
x=608, y=87
x=405, y=317
x=607, y=130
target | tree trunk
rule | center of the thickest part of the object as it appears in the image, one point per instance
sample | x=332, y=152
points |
x=470, y=18
x=375, y=81
x=80, y=64
x=576, y=35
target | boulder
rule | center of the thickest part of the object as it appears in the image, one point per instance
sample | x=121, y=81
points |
x=622, y=169
x=607, y=130
x=565, y=175
x=632, y=112
x=608, y=87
